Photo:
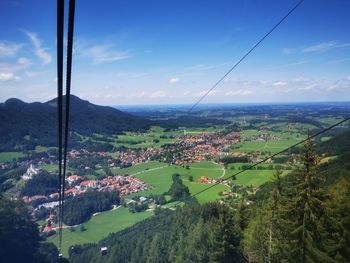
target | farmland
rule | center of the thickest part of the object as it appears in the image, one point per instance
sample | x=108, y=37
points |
x=160, y=180
x=9, y=156
x=99, y=226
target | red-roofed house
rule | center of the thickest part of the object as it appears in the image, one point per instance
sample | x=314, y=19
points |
x=73, y=178
x=89, y=183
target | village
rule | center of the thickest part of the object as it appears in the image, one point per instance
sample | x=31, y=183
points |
x=124, y=185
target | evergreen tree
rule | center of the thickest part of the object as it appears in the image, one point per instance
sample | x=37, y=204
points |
x=303, y=212
x=178, y=191
x=262, y=235
x=19, y=235
x=227, y=239
x=338, y=228
x=156, y=252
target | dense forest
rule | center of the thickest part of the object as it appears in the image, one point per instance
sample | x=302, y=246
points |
x=193, y=233
x=19, y=236
x=302, y=217
x=42, y=183
x=80, y=208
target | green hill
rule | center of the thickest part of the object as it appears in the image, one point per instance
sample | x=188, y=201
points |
x=35, y=123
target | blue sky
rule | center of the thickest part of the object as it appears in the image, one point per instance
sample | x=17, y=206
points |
x=161, y=52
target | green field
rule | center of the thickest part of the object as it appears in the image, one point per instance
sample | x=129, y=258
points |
x=252, y=177
x=138, y=168
x=49, y=167
x=283, y=138
x=53, y=168
x=143, y=140
x=161, y=179
x=205, y=165
x=40, y=149
x=9, y=156
x=99, y=227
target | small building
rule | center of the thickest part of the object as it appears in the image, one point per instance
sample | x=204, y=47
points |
x=73, y=178
x=104, y=251
x=143, y=199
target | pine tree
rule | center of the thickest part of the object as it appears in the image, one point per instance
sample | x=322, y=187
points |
x=156, y=252
x=227, y=239
x=262, y=235
x=337, y=240
x=303, y=212
x=272, y=215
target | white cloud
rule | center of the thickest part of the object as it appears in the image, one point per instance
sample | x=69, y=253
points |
x=138, y=94
x=174, y=80
x=201, y=67
x=158, y=94
x=8, y=77
x=206, y=93
x=24, y=61
x=31, y=74
x=298, y=63
x=309, y=87
x=103, y=53
x=280, y=83
x=348, y=77
x=332, y=87
x=336, y=61
x=21, y=64
x=45, y=57
x=8, y=49
x=288, y=50
x=325, y=46
x=240, y=92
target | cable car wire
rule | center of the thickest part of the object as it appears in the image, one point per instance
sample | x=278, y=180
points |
x=68, y=88
x=60, y=37
x=62, y=146
x=244, y=56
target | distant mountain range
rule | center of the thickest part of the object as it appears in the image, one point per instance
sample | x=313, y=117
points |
x=27, y=123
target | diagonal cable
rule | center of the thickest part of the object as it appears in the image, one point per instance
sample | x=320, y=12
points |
x=60, y=33
x=244, y=56
x=68, y=87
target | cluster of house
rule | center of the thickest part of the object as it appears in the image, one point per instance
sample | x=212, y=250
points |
x=207, y=180
x=123, y=184
x=35, y=198
x=203, y=147
x=50, y=224
x=131, y=157
x=264, y=137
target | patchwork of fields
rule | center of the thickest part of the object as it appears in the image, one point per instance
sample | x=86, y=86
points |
x=158, y=175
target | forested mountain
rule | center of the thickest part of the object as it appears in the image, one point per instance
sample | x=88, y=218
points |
x=31, y=123
x=337, y=145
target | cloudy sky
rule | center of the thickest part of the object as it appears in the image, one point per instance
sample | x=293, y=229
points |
x=160, y=52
